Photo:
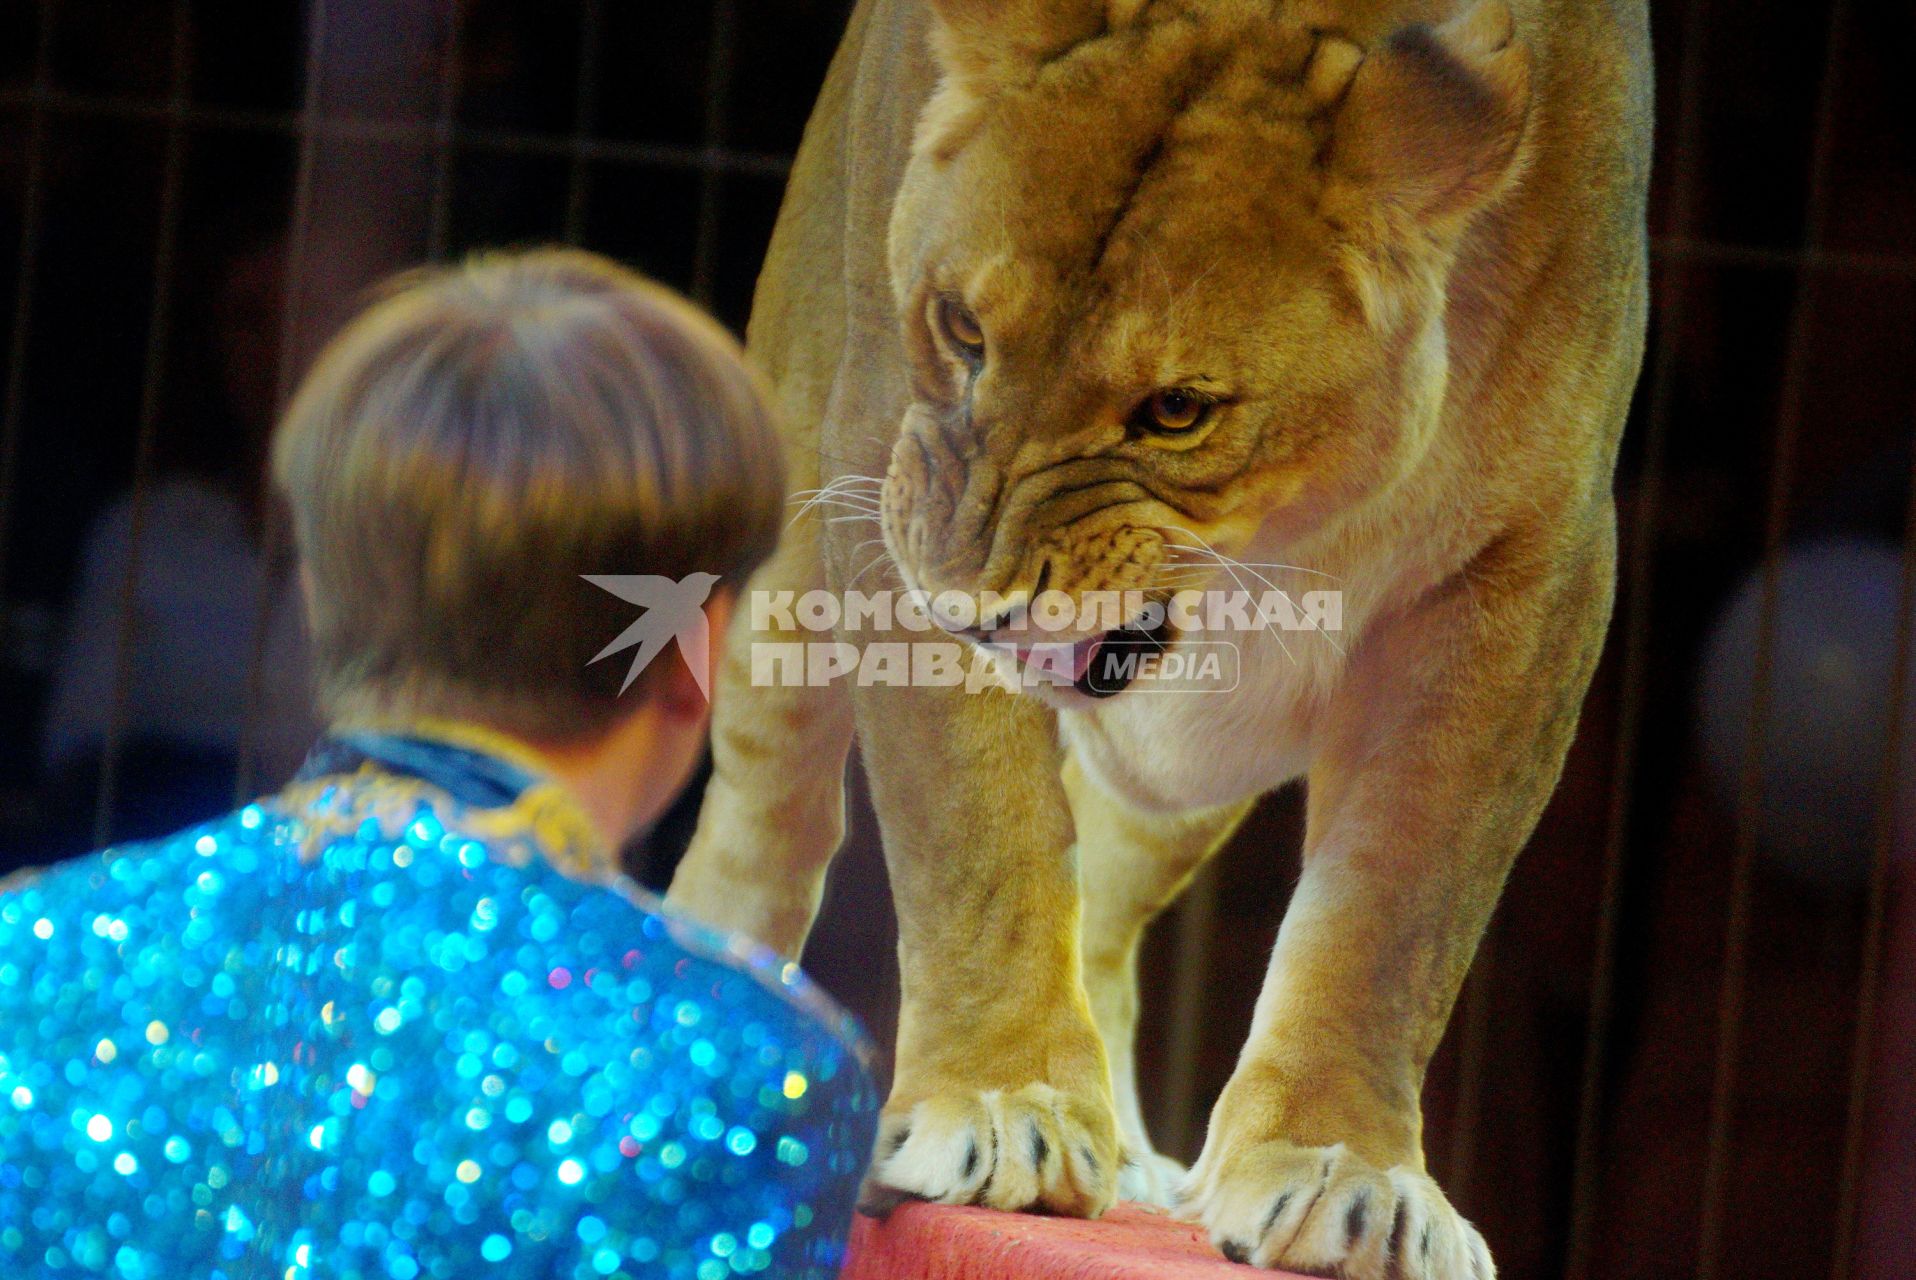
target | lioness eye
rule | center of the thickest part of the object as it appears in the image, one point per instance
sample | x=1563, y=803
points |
x=1173, y=411
x=962, y=327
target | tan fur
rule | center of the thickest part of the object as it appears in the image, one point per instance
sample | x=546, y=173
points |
x=1403, y=241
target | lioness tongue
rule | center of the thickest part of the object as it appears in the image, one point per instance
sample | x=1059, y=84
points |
x=1083, y=654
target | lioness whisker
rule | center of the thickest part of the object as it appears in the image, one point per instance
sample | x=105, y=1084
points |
x=836, y=491
x=1227, y=561
x=875, y=561
x=835, y=500
x=850, y=488
x=1254, y=564
x=1229, y=568
x=846, y=484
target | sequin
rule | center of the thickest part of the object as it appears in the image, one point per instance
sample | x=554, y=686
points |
x=365, y=1031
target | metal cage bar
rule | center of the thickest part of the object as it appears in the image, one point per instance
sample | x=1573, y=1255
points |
x=1749, y=818
x=1638, y=583
x=582, y=148
x=33, y=211
x=715, y=162
x=1194, y=921
x=273, y=535
x=416, y=133
x=578, y=175
x=446, y=132
x=1850, y=1190
x=718, y=99
x=152, y=386
x=1472, y=1017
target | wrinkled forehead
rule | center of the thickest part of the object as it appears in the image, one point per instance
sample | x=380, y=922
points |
x=1136, y=169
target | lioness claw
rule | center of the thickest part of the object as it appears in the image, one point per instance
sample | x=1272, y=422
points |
x=1323, y=1211
x=1027, y=1148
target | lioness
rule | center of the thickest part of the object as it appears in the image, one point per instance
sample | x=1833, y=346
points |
x=1086, y=295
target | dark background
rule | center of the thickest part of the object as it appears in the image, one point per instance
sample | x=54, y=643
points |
x=1686, y=1048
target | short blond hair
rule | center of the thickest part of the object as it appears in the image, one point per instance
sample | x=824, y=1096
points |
x=480, y=437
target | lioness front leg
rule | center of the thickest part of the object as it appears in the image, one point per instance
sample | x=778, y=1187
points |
x=774, y=812
x=1131, y=865
x=1433, y=763
x=1001, y=1095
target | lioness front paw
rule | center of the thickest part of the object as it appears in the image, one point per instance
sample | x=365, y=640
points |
x=1030, y=1148
x=1325, y=1212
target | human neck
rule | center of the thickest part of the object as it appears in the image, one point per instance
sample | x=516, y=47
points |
x=614, y=778
x=610, y=778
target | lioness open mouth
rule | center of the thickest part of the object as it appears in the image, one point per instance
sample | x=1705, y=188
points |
x=1107, y=674
x=1100, y=666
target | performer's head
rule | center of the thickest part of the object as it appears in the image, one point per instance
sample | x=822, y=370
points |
x=477, y=440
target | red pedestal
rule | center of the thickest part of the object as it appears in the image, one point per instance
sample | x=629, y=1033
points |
x=937, y=1242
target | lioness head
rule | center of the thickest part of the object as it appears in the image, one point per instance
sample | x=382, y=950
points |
x=1171, y=272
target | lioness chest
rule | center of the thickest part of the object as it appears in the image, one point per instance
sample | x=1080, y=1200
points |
x=1183, y=749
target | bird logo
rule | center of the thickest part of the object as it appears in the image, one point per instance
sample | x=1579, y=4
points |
x=674, y=610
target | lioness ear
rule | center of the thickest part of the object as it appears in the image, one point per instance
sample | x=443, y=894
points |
x=1433, y=119
x=1013, y=37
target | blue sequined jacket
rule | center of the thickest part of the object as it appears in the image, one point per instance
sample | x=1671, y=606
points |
x=385, y=1025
